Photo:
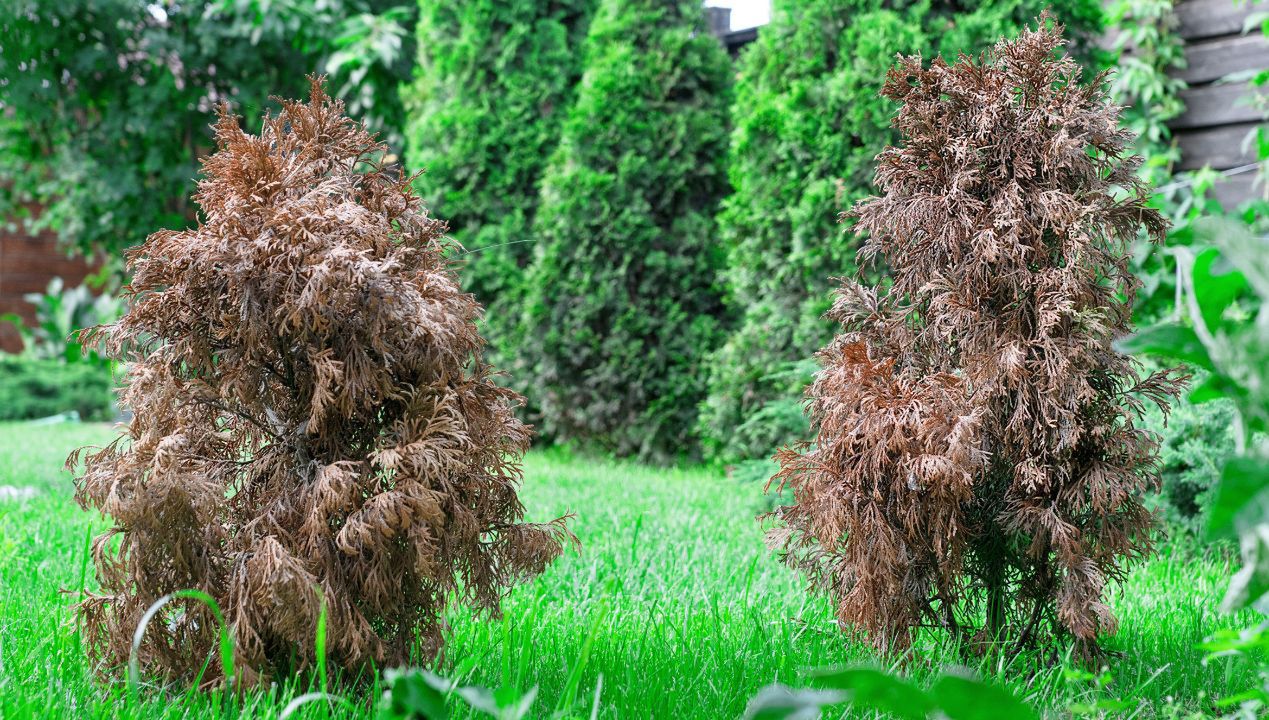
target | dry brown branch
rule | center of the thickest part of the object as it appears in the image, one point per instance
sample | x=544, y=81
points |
x=312, y=420
x=977, y=462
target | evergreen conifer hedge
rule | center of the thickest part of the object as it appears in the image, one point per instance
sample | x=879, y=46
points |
x=494, y=83
x=623, y=301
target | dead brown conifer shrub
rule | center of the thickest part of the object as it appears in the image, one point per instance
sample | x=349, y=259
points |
x=313, y=423
x=977, y=467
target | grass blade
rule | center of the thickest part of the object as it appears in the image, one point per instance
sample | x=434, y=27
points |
x=312, y=697
x=226, y=640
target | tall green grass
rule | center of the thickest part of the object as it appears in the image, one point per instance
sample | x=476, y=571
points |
x=673, y=599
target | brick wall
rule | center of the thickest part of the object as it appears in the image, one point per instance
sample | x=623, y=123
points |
x=27, y=263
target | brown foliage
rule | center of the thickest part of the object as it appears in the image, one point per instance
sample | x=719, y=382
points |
x=312, y=420
x=977, y=462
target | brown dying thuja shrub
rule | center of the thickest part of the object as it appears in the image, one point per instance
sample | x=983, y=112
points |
x=977, y=466
x=313, y=423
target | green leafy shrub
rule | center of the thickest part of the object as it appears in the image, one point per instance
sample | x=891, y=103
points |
x=60, y=313
x=105, y=101
x=1224, y=283
x=34, y=387
x=1194, y=443
x=495, y=80
x=1224, y=329
x=623, y=300
x=809, y=121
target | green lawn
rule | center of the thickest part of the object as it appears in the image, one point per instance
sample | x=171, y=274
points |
x=673, y=600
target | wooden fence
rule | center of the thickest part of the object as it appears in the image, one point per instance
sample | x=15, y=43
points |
x=1220, y=115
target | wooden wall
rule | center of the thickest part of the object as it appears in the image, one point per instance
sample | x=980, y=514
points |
x=1219, y=115
x=27, y=263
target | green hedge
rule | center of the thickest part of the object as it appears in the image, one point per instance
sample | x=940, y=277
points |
x=31, y=389
x=809, y=122
x=494, y=83
x=623, y=299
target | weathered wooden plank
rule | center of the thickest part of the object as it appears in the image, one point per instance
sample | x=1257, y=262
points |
x=1220, y=147
x=1210, y=18
x=1233, y=190
x=1210, y=60
x=1222, y=104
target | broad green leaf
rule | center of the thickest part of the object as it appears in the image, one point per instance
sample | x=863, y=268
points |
x=413, y=695
x=1242, y=697
x=1245, y=250
x=778, y=702
x=1215, y=291
x=1169, y=340
x=878, y=690
x=1243, y=485
x=962, y=698
x=1250, y=585
x=1234, y=642
x=1217, y=386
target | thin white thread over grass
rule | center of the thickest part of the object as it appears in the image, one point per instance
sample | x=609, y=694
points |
x=594, y=705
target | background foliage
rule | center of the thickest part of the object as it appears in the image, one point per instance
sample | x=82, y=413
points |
x=494, y=83
x=623, y=300
x=106, y=103
x=36, y=388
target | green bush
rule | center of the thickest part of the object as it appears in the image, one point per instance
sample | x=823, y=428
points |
x=33, y=388
x=60, y=314
x=623, y=300
x=106, y=101
x=809, y=122
x=494, y=82
x=1194, y=444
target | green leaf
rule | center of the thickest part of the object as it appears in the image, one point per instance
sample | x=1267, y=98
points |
x=1216, y=387
x=1250, y=585
x=1246, y=251
x=1254, y=20
x=778, y=702
x=1215, y=291
x=962, y=698
x=1101, y=707
x=1235, y=642
x=1242, y=697
x=413, y=695
x=1243, y=484
x=1169, y=340
x=877, y=690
